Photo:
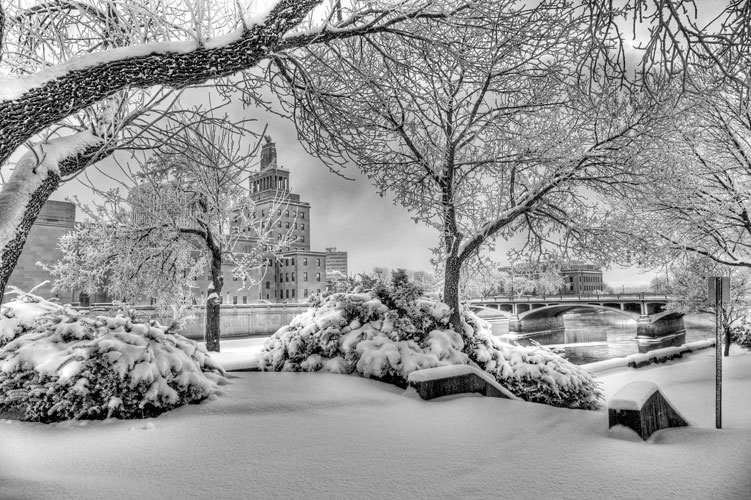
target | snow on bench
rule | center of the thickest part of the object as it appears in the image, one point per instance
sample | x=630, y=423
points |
x=640, y=406
x=456, y=379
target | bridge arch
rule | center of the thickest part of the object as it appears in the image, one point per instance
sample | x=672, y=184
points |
x=555, y=310
x=497, y=311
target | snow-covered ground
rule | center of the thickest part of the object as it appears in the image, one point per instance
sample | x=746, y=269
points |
x=315, y=435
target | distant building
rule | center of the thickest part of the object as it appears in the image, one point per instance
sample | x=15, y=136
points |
x=336, y=264
x=55, y=219
x=293, y=276
x=581, y=278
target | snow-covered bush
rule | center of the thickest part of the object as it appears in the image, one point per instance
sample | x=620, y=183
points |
x=72, y=365
x=19, y=315
x=359, y=333
x=741, y=335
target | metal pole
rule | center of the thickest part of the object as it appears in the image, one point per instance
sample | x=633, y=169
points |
x=718, y=352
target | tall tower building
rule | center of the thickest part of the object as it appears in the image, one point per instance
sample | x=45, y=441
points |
x=269, y=190
x=299, y=272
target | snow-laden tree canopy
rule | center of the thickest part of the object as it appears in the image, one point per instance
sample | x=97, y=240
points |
x=61, y=59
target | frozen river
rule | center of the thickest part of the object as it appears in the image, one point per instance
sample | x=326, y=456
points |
x=596, y=336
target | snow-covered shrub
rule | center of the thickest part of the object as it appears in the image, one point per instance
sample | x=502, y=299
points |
x=19, y=315
x=741, y=335
x=534, y=373
x=359, y=333
x=72, y=365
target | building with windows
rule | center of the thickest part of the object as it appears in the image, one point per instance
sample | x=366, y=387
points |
x=55, y=219
x=581, y=278
x=293, y=276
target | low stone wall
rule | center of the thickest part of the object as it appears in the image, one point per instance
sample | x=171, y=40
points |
x=236, y=320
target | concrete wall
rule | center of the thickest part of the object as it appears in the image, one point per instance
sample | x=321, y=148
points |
x=240, y=320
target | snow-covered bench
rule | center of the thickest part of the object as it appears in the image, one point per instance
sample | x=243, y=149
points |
x=641, y=407
x=455, y=379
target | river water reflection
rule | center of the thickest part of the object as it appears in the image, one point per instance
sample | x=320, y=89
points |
x=596, y=336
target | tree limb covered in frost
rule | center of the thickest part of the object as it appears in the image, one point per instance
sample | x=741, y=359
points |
x=479, y=126
x=699, y=200
x=60, y=57
x=681, y=38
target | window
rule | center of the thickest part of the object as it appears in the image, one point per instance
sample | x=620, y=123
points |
x=305, y=276
x=302, y=239
x=279, y=224
x=263, y=213
x=293, y=276
x=267, y=295
x=302, y=215
x=279, y=212
x=318, y=262
x=286, y=277
x=293, y=293
x=305, y=261
x=293, y=261
x=279, y=237
x=245, y=299
x=295, y=225
x=286, y=262
x=305, y=293
x=286, y=225
x=318, y=276
x=302, y=226
x=286, y=213
x=268, y=285
x=286, y=293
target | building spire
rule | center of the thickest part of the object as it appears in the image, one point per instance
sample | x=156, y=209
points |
x=268, y=154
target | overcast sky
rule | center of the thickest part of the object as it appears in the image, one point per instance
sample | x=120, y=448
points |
x=349, y=215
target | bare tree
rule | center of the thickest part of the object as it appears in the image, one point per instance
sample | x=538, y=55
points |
x=698, y=201
x=61, y=57
x=686, y=282
x=677, y=38
x=480, y=126
x=187, y=211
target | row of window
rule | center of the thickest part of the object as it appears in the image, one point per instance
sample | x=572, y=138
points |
x=301, y=238
x=286, y=214
x=290, y=261
x=285, y=294
x=278, y=278
x=287, y=225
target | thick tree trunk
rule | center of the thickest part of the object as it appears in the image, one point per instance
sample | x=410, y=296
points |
x=213, y=304
x=12, y=251
x=451, y=291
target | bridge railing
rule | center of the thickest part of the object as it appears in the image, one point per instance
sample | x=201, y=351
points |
x=576, y=298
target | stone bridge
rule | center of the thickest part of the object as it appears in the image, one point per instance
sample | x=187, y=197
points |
x=534, y=315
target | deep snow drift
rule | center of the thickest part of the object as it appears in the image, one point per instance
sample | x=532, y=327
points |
x=295, y=435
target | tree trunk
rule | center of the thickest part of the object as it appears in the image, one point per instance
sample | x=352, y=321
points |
x=451, y=291
x=726, y=352
x=12, y=251
x=213, y=304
